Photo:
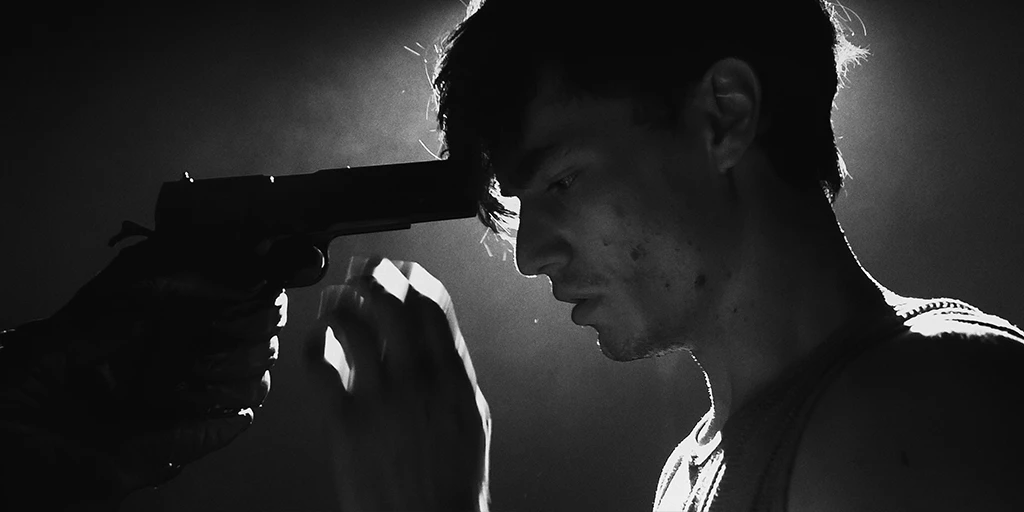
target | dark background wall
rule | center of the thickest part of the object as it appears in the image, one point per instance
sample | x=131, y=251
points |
x=103, y=105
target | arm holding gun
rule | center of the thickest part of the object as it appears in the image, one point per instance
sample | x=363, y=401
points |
x=163, y=357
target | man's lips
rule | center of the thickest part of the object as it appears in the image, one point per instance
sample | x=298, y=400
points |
x=583, y=310
x=585, y=302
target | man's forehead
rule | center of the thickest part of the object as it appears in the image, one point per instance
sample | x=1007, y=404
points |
x=551, y=127
x=543, y=119
x=515, y=173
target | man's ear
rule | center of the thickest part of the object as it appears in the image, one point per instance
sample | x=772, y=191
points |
x=730, y=96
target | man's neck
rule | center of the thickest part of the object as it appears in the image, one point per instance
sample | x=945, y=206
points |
x=797, y=284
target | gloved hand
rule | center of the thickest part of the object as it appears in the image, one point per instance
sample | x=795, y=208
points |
x=410, y=427
x=147, y=368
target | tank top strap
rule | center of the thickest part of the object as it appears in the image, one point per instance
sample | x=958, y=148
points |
x=774, y=487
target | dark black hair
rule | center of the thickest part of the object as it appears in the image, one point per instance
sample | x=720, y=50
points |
x=652, y=52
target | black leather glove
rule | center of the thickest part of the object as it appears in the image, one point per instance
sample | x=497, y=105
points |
x=147, y=368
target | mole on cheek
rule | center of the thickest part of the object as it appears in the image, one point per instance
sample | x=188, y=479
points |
x=636, y=252
x=700, y=281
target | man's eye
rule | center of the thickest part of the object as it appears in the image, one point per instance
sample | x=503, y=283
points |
x=563, y=184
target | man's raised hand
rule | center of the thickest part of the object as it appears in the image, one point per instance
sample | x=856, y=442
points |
x=410, y=427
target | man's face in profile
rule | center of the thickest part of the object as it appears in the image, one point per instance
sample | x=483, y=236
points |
x=631, y=222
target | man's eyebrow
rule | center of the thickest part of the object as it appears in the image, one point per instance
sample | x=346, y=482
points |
x=530, y=165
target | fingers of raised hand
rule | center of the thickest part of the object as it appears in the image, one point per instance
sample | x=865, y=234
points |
x=436, y=343
x=429, y=302
x=389, y=324
x=360, y=317
x=446, y=350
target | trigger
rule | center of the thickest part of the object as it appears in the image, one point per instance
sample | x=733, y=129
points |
x=129, y=229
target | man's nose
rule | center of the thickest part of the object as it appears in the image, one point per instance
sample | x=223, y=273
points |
x=540, y=248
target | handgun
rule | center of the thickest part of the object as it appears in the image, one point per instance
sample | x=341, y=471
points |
x=289, y=221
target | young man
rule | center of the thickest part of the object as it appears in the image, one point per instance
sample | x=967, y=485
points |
x=675, y=171
x=675, y=168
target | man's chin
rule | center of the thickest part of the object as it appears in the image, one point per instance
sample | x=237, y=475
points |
x=618, y=349
x=624, y=350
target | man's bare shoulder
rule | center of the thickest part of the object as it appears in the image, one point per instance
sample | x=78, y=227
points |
x=929, y=421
